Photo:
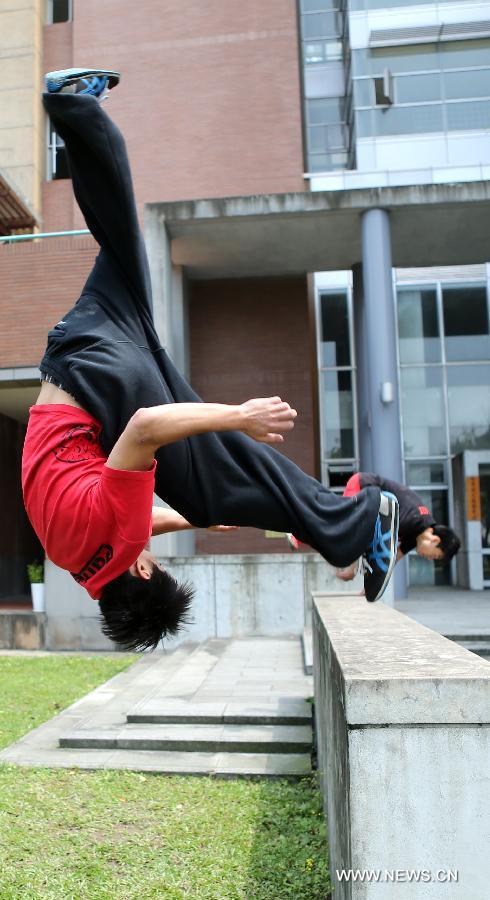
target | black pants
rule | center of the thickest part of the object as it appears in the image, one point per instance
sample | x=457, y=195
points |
x=107, y=355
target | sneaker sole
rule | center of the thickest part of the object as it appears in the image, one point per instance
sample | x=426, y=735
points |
x=395, y=515
x=64, y=77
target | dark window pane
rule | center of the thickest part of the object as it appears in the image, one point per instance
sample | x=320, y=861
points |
x=418, y=328
x=61, y=10
x=334, y=312
x=62, y=170
x=466, y=323
x=337, y=419
x=469, y=407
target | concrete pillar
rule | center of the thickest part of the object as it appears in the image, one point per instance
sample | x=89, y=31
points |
x=170, y=317
x=375, y=327
x=362, y=363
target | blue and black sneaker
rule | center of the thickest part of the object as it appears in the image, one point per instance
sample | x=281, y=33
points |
x=380, y=558
x=81, y=81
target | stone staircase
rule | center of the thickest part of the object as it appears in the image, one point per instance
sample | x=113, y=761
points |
x=268, y=741
x=224, y=708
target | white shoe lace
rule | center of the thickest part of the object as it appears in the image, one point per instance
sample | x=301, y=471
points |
x=364, y=566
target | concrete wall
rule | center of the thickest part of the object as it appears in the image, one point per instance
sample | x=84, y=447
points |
x=22, y=138
x=403, y=729
x=235, y=596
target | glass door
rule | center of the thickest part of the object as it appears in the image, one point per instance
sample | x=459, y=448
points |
x=484, y=472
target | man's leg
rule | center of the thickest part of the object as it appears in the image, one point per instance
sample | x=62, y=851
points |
x=111, y=362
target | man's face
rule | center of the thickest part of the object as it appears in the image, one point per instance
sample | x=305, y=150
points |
x=428, y=545
x=143, y=566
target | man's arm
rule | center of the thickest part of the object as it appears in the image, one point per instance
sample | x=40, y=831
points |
x=165, y=520
x=264, y=420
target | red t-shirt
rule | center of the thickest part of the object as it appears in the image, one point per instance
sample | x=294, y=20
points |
x=92, y=520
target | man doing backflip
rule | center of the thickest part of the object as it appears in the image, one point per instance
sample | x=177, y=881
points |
x=115, y=422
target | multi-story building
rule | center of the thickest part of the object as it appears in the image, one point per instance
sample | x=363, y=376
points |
x=350, y=275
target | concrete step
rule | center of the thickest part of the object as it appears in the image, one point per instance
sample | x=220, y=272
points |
x=218, y=765
x=195, y=738
x=160, y=710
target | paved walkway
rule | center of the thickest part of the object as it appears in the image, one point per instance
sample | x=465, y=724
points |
x=222, y=707
x=449, y=610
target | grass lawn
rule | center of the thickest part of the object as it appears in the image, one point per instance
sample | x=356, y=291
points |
x=112, y=835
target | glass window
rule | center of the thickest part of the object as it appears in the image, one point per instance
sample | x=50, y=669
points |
x=425, y=472
x=365, y=123
x=378, y=4
x=57, y=158
x=423, y=571
x=414, y=58
x=418, y=327
x=424, y=432
x=314, y=53
x=454, y=54
x=319, y=5
x=474, y=83
x=408, y=119
x=324, y=111
x=411, y=88
x=338, y=422
x=59, y=11
x=317, y=138
x=334, y=316
x=468, y=115
x=325, y=24
x=364, y=92
x=469, y=407
x=319, y=162
x=466, y=323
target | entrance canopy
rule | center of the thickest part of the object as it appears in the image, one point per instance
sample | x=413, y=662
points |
x=280, y=234
x=14, y=213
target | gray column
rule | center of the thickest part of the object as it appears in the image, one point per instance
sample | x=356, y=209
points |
x=379, y=413
x=170, y=317
x=362, y=379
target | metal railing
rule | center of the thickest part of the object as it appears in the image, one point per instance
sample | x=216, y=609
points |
x=13, y=238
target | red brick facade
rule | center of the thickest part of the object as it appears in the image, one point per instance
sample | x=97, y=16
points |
x=40, y=280
x=250, y=338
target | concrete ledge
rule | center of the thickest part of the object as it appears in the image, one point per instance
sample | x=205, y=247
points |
x=22, y=630
x=403, y=727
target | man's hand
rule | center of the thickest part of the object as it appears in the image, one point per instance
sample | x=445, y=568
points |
x=267, y=419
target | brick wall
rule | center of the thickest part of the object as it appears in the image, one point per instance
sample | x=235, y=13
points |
x=209, y=101
x=40, y=282
x=249, y=338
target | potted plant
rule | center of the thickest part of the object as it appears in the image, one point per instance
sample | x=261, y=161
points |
x=35, y=573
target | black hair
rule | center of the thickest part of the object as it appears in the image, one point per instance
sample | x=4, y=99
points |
x=449, y=541
x=138, y=612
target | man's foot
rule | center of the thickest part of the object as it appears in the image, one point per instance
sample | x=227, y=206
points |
x=81, y=81
x=380, y=558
